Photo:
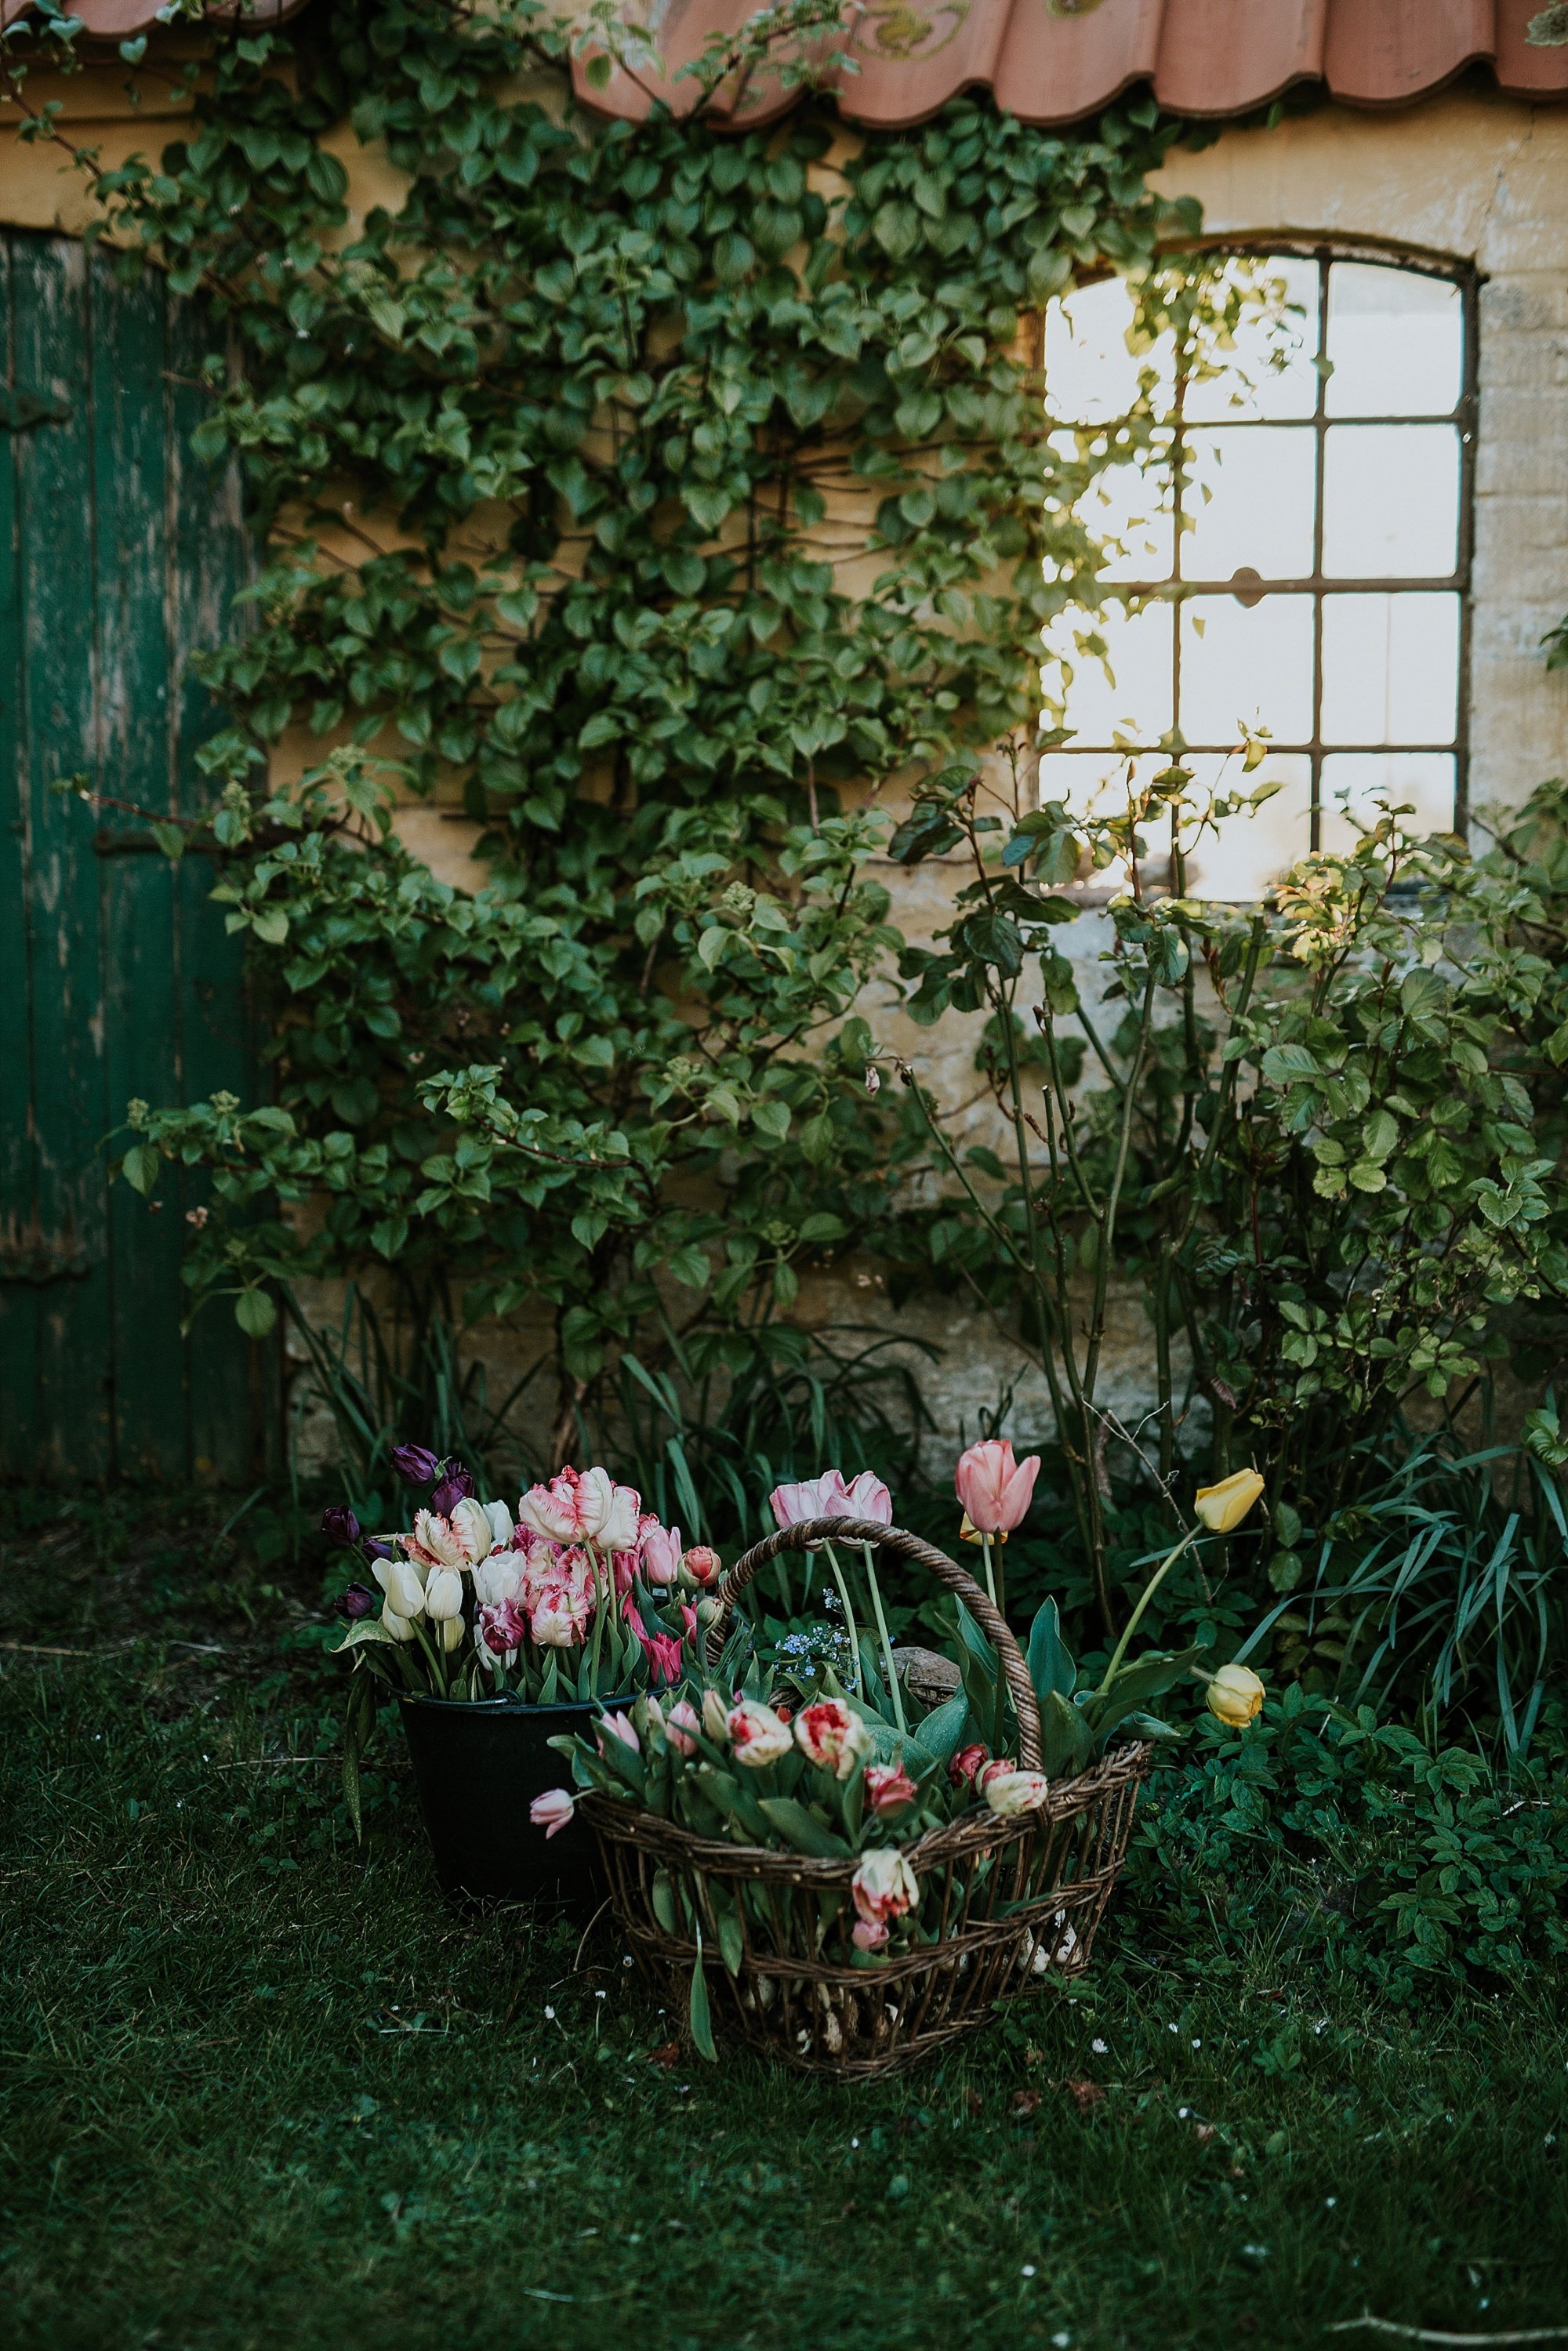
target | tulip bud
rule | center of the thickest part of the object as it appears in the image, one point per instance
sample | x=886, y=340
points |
x=443, y=1594
x=456, y=1485
x=1235, y=1696
x=706, y=1609
x=356, y=1601
x=1224, y=1506
x=552, y=1812
x=414, y=1464
x=376, y=1549
x=716, y=1717
x=452, y=1631
x=340, y=1525
x=703, y=1565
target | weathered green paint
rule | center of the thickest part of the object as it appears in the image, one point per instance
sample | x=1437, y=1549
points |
x=118, y=554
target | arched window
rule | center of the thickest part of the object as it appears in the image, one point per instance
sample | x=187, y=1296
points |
x=1307, y=576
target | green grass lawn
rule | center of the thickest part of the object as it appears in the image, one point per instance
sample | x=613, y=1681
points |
x=261, y=2089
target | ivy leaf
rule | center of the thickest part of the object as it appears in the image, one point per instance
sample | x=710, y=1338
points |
x=896, y=228
x=254, y=1312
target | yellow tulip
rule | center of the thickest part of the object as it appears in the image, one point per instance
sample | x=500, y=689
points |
x=1235, y=1696
x=1224, y=1506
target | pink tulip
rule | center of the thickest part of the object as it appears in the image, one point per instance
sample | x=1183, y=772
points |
x=703, y=1565
x=884, y=1887
x=965, y=1765
x=661, y=1551
x=865, y=1936
x=826, y=1496
x=867, y=1498
x=822, y=1497
x=502, y=1627
x=662, y=1652
x=551, y=1812
x=757, y=1734
x=888, y=1787
x=572, y=1508
x=622, y=1727
x=831, y=1735
x=995, y=1489
x=681, y=1726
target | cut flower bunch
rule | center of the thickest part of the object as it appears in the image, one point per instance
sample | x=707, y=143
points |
x=759, y=1752
x=582, y=1593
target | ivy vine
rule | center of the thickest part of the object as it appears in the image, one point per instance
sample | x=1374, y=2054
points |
x=675, y=490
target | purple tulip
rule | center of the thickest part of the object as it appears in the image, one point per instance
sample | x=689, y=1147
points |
x=376, y=1549
x=456, y=1485
x=356, y=1601
x=340, y=1525
x=415, y=1464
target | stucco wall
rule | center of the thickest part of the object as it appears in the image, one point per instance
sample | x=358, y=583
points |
x=1467, y=174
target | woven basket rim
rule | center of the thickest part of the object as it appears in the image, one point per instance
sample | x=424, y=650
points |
x=627, y=1822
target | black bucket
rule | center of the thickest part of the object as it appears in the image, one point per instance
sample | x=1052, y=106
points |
x=478, y=1765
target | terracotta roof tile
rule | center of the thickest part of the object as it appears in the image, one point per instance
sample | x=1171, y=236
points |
x=1058, y=60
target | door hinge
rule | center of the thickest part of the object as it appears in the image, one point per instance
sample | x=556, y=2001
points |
x=19, y=411
x=37, y=1258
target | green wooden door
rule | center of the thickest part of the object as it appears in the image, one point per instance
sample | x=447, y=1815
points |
x=118, y=554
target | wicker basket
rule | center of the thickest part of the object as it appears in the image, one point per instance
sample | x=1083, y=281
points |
x=1009, y=1900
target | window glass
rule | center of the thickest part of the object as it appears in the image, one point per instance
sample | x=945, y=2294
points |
x=1298, y=575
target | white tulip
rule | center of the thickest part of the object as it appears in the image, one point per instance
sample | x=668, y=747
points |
x=444, y=1595
x=396, y=1627
x=499, y=1577
x=403, y=1586
x=503, y=1530
x=452, y=1631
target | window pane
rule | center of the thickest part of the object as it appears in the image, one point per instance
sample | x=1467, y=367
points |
x=1390, y=501
x=1357, y=780
x=1248, y=853
x=1244, y=669
x=1138, y=648
x=1090, y=374
x=1396, y=342
x=1258, y=512
x=1122, y=505
x=1391, y=669
x=1097, y=781
x=1252, y=385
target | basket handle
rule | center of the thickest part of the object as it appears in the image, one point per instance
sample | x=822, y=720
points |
x=902, y=1545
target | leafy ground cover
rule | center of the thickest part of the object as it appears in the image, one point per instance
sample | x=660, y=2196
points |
x=261, y=2089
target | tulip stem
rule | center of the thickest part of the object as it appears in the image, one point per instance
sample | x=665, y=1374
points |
x=893, y=1691
x=437, y=1660
x=1143, y=1599
x=994, y=1584
x=600, y=1596
x=839, y=1579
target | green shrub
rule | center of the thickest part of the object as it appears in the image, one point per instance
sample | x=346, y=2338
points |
x=1356, y=1848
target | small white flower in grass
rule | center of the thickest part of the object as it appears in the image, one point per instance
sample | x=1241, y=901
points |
x=1028, y=2270
x=1100, y=2048
x=1330, y=2202
x=1197, y=2044
x=550, y=2012
x=1061, y=2341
